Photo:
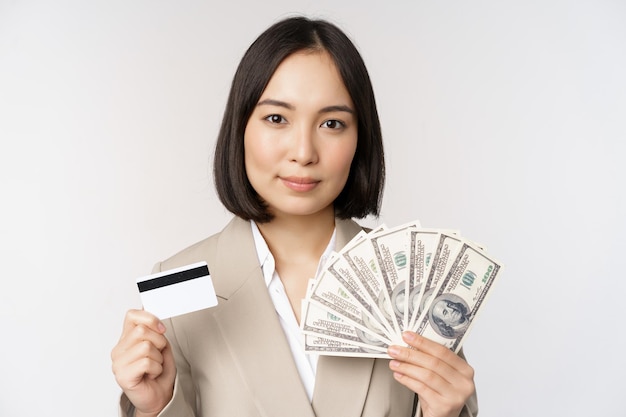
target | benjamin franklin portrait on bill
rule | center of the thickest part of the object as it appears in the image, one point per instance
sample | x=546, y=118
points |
x=449, y=315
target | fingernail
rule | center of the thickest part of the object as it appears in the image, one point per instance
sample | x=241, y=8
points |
x=408, y=336
x=393, y=350
x=394, y=364
x=161, y=327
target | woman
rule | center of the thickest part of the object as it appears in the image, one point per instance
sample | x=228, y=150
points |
x=298, y=155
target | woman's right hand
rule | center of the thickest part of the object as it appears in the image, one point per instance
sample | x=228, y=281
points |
x=143, y=363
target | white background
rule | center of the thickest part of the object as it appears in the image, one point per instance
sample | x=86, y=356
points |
x=506, y=120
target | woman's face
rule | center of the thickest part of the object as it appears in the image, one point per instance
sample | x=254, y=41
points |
x=301, y=137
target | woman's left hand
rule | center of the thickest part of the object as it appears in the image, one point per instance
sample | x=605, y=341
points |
x=442, y=380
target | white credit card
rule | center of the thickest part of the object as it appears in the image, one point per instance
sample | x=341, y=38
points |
x=177, y=291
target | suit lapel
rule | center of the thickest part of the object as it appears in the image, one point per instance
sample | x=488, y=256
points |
x=341, y=384
x=248, y=316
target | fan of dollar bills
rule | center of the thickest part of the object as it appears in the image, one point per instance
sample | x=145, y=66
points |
x=430, y=281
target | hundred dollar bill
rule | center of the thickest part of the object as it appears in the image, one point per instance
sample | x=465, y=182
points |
x=392, y=251
x=340, y=269
x=324, y=345
x=431, y=248
x=362, y=260
x=459, y=297
x=422, y=245
x=448, y=247
x=337, y=299
x=317, y=320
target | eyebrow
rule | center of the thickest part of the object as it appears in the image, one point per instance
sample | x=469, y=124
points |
x=272, y=102
x=328, y=109
x=341, y=107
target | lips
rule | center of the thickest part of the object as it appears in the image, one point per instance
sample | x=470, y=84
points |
x=300, y=184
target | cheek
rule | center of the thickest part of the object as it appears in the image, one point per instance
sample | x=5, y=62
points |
x=343, y=158
x=257, y=158
x=253, y=151
x=260, y=150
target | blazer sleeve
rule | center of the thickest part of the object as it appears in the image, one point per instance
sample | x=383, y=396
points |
x=466, y=412
x=183, y=402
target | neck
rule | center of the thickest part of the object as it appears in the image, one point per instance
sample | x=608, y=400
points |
x=299, y=236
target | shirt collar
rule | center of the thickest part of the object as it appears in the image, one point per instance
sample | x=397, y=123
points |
x=266, y=260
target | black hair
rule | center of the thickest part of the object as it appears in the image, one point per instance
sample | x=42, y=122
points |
x=363, y=190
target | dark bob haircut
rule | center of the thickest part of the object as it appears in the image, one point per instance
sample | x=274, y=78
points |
x=362, y=193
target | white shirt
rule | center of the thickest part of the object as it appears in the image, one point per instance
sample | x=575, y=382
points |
x=306, y=363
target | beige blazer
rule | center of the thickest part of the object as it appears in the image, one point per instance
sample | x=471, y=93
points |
x=233, y=360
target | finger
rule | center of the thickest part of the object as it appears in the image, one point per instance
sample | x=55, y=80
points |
x=432, y=403
x=410, y=358
x=136, y=336
x=139, y=336
x=414, y=368
x=420, y=384
x=133, y=373
x=143, y=333
x=136, y=324
x=434, y=349
x=435, y=391
x=142, y=353
x=134, y=318
x=424, y=368
x=430, y=363
x=140, y=350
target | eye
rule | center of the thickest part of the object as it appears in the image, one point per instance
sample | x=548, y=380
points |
x=275, y=119
x=333, y=124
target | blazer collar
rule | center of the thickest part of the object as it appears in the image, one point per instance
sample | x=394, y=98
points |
x=248, y=315
x=234, y=258
x=346, y=230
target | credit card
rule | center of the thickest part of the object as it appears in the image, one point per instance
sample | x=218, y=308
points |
x=177, y=291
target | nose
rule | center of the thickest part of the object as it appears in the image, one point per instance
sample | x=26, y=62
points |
x=303, y=148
